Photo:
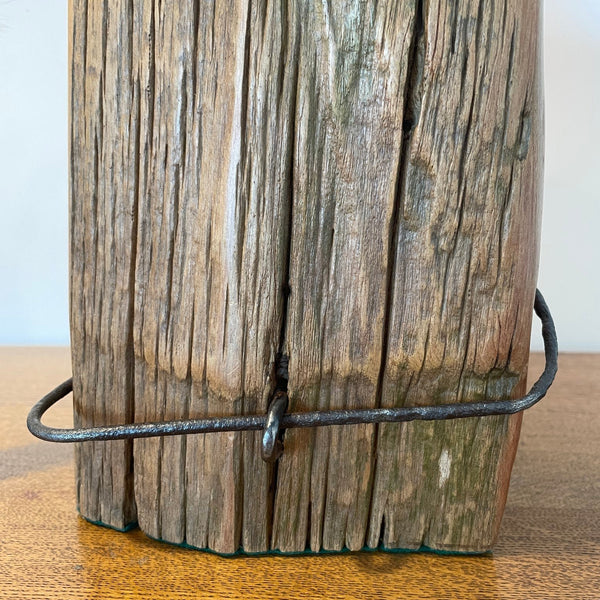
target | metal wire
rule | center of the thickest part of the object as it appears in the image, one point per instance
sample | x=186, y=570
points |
x=275, y=420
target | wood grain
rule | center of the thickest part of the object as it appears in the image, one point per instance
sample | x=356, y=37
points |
x=417, y=173
x=463, y=274
x=351, y=185
x=549, y=546
x=103, y=225
x=351, y=84
x=209, y=306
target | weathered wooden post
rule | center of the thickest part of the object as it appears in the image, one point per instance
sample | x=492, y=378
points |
x=354, y=185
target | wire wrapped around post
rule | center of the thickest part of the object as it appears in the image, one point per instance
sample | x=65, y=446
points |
x=276, y=419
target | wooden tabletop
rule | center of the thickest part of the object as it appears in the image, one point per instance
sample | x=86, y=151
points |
x=549, y=545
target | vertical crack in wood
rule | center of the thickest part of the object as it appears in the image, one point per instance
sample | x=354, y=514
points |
x=288, y=54
x=242, y=198
x=410, y=117
x=242, y=203
x=136, y=158
x=411, y=112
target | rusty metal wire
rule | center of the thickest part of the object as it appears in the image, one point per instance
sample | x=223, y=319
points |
x=276, y=419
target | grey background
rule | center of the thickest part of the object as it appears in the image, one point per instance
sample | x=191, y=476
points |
x=33, y=172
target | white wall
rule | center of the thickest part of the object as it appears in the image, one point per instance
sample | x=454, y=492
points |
x=570, y=253
x=33, y=171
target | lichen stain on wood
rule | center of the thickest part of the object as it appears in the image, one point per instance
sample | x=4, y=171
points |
x=353, y=185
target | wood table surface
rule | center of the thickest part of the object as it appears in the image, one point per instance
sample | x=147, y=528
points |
x=549, y=546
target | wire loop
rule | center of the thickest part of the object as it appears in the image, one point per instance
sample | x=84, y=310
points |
x=272, y=446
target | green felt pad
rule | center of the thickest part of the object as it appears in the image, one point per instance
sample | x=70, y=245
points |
x=307, y=552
